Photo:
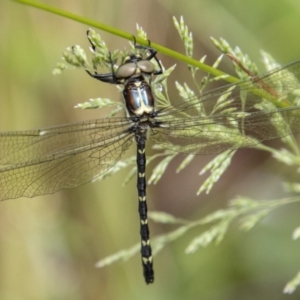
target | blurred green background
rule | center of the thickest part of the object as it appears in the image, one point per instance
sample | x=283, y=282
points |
x=50, y=244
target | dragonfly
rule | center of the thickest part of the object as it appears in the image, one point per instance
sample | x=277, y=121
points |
x=44, y=161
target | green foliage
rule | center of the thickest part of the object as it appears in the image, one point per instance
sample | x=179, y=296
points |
x=247, y=212
x=242, y=210
x=292, y=285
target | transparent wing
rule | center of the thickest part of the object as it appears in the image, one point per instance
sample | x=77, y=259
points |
x=44, y=161
x=234, y=116
x=217, y=134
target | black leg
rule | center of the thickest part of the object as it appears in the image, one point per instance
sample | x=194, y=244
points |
x=152, y=55
x=93, y=46
x=108, y=77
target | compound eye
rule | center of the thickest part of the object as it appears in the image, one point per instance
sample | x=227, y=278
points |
x=126, y=70
x=146, y=66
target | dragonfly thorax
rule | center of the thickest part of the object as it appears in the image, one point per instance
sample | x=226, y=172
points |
x=138, y=98
x=135, y=74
